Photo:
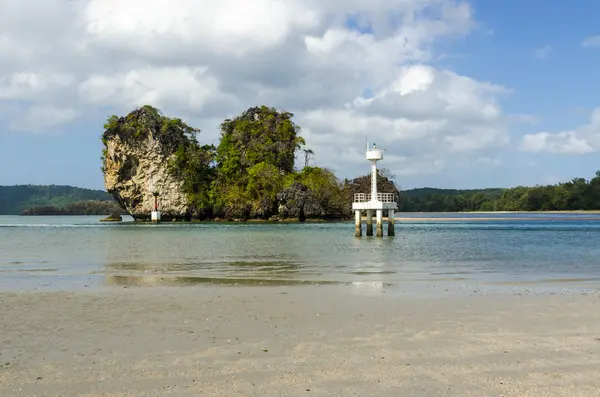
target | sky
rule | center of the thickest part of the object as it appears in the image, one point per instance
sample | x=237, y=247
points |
x=461, y=94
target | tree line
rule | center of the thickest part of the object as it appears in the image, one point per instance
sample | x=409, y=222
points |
x=90, y=207
x=15, y=199
x=577, y=194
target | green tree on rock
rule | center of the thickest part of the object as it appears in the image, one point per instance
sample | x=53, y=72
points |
x=257, y=149
x=249, y=175
x=260, y=134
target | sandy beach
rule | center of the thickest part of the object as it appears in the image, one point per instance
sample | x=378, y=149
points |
x=293, y=341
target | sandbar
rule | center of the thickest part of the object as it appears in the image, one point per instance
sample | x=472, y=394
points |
x=297, y=341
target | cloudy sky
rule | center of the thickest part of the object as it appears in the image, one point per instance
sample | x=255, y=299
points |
x=461, y=93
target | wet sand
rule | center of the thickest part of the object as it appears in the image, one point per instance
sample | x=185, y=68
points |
x=296, y=341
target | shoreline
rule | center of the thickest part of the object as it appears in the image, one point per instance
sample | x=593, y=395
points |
x=449, y=285
x=312, y=340
x=423, y=216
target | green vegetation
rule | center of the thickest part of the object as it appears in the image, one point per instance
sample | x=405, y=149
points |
x=254, y=163
x=249, y=175
x=333, y=198
x=16, y=199
x=254, y=171
x=192, y=163
x=576, y=195
x=172, y=133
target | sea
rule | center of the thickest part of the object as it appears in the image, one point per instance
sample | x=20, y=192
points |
x=474, y=253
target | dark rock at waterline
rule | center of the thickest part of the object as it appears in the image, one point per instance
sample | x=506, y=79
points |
x=112, y=218
x=297, y=201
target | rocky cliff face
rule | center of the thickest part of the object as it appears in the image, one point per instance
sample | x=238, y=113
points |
x=299, y=202
x=136, y=157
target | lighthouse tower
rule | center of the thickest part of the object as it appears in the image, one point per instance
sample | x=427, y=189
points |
x=374, y=201
x=155, y=215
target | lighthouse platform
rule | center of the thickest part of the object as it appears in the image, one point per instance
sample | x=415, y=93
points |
x=383, y=202
x=374, y=201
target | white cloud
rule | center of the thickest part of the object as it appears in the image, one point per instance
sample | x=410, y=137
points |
x=180, y=89
x=344, y=79
x=41, y=119
x=591, y=42
x=29, y=86
x=581, y=140
x=423, y=110
x=543, y=52
x=216, y=27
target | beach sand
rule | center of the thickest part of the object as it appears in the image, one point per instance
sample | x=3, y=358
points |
x=296, y=341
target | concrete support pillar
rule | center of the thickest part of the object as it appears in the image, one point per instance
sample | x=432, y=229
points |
x=379, y=223
x=369, y=222
x=391, y=231
x=358, y=226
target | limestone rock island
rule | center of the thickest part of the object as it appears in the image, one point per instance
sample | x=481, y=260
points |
x=250, y=175
x=140, y=154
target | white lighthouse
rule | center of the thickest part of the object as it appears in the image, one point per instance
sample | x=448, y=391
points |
x=374, y=201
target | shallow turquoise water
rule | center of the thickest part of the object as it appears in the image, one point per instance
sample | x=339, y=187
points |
x=73, y=252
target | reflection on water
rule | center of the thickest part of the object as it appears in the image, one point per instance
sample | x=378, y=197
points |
x=148, y=280
x=513, y=251
x=248, y=268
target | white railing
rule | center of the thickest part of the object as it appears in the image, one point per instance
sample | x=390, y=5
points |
x=366, y=197
x=361, y=197
x=386, y=197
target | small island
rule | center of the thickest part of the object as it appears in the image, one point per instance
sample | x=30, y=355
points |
x=251, y=175
x=112, y=218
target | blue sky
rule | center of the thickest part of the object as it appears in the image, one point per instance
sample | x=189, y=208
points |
x=557, y=90
x=533, y=48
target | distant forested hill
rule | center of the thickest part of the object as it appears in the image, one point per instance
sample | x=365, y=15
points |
x=16, y=199
x=449, y=200
x=574, y=195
